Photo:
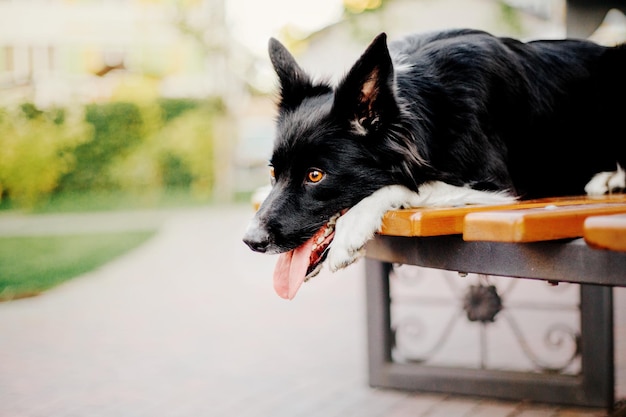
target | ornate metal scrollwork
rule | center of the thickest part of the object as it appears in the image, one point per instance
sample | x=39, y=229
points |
x=481, y=302
x=557, y=338
x=409, y=336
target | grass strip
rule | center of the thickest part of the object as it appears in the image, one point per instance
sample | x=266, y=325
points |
x=90, y=201
x=31, y=265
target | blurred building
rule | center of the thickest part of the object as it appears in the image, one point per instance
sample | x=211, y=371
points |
x=56, y=51
x=331, y=50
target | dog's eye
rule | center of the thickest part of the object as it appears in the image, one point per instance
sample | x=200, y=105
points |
x=314, y=176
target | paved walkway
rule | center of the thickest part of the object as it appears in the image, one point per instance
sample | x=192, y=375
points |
x=188, y=325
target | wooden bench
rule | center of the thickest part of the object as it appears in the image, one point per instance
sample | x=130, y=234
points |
x=606, y=232
x=578, y=240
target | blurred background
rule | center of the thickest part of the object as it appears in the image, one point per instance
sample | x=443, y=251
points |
x=153, y=102
x=132, y=136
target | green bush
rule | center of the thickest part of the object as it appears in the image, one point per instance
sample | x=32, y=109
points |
x=179, y=155
x=37, y=149
x=131, y=144
x=109, y=147
x=185, y=151
x=174, y=171
x=117, y=129
x=171, y=108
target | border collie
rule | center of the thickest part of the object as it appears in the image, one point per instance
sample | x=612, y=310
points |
x=446, y=118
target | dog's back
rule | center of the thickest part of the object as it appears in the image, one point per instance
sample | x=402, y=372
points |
x=553, y=107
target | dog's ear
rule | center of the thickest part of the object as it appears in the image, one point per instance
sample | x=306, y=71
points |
x=295, y=84
x=366, y=95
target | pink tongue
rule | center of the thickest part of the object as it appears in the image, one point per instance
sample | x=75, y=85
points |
x=291, y=270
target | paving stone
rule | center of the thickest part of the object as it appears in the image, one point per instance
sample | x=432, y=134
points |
x=493, y=409
x=416, y=405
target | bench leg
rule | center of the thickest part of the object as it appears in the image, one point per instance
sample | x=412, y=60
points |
x=597, y=341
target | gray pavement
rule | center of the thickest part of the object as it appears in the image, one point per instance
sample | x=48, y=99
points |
x=188, y=325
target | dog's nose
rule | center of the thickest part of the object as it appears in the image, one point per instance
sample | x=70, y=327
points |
x=257, y=239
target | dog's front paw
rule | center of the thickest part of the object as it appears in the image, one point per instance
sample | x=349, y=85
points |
x=607, y=182
x=352, y=232
x=341, y=257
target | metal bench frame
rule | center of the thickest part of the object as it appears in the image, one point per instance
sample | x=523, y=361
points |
x=558, y=261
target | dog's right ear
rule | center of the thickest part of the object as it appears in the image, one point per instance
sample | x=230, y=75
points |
x=295, y=84
x=366, y=96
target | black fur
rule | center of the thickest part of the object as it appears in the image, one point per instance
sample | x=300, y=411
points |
x=464, y=107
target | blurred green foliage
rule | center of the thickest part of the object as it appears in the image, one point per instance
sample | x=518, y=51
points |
x=36, y=150
x=143, y=148
x=117, y=128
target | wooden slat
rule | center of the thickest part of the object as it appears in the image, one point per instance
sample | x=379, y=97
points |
x=535, y=224
x=606, y=232
x=449, y=220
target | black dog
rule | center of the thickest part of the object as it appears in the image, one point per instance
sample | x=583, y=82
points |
x=444, y=118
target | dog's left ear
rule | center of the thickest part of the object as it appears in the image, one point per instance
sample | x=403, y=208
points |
x=366, y=95
x=295, y=84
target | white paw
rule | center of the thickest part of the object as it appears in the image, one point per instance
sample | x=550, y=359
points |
x=606, y=182
x=341, y=257
x=361, y=222
x=352, y=232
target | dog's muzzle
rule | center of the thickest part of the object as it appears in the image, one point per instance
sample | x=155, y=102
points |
x=256, y=237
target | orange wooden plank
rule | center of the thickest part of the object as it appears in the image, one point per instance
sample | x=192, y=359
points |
x=535, y=224
x=449, y=220
x=606, y=232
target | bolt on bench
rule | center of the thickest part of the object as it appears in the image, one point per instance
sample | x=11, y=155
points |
x=578, y=240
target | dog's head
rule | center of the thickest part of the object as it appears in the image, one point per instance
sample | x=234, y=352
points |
x=334, y=146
